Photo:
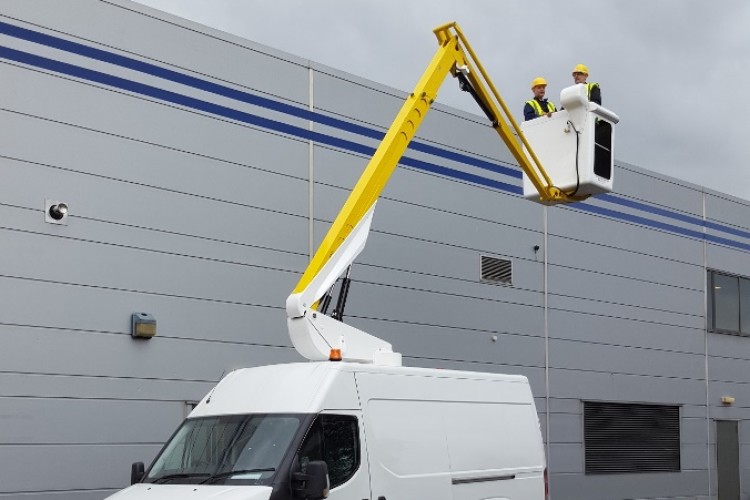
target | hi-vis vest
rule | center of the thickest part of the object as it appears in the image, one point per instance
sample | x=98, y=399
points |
x=589, y=88
x=538, y=107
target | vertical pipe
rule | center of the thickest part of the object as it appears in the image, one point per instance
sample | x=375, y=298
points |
x=546, y=335
x=310, y=170
x=706, y=291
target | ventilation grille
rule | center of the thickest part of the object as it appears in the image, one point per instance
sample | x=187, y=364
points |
x=496, y=270
x=623, y=438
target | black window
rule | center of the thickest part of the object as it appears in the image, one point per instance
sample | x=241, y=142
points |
x=729, y=303
x=334, y=439
x=627, y=438
x=603, y=149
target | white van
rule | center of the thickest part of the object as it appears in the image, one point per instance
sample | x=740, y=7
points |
x=353, y=431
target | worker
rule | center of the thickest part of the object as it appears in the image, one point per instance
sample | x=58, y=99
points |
x=538, y=106
x=580, y=75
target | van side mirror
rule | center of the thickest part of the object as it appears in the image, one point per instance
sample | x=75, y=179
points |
x=137, y=470
x=313, y=484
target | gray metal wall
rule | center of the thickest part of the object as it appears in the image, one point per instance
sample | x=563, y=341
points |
x=200, y=168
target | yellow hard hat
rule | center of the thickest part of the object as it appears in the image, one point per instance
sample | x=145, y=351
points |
x=538, y=81
x=581, y=68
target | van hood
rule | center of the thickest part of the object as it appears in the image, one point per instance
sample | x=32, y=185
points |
x=144, y=491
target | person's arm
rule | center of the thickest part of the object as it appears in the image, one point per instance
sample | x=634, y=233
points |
x=528, y=112
x=596, y=94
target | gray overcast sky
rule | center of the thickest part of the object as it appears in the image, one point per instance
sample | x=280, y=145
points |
x=675, y=71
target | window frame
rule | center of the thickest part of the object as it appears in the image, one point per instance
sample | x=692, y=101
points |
x=712, y=303
x=318, y=426
x=192, y=425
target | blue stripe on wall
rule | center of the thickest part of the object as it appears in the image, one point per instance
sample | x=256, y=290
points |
x=226, y=112
x=281, y=127
x=672, y=215
x=237, y=95
x=660, y=225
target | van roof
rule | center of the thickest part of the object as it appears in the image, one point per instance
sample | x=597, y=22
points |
x=311, y=387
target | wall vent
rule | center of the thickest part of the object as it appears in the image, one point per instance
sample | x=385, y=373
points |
x=494, y=270
x=635, y=438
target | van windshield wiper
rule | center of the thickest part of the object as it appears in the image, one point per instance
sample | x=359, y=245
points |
x=230, y=473
x=182, y=475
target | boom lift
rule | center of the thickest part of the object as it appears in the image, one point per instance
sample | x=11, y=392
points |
x=260, y=433
x=314, y=333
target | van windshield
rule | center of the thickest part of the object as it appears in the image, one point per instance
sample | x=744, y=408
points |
x=213, y=450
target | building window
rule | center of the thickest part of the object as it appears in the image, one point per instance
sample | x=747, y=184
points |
x=631, y=438
x=745, y=305
x=729, y=303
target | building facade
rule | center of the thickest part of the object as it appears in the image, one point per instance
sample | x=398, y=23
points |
x=200, y=170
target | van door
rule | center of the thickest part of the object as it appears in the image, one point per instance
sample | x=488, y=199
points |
x=338, y=439
x=495, y=450
x=408, y=452
x=441, y=436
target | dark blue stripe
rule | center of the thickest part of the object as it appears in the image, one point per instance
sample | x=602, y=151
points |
x=458, y=174
x=640, y=220
x=460, y=158
x=216, y=109
x=725, y=229
x=160, y=72
x=173, y=97
x=197, y=104
x=238, y=95
x=660, y=225
x=672, y=215
x=651, y=209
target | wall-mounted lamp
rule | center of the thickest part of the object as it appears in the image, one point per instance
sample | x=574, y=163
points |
x=727, y=400
x=56, y=212
x=142, y=325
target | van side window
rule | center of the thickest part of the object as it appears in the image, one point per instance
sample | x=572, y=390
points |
x=334, y=439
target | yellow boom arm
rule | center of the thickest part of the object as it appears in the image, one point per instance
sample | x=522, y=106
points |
x=454, y=55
